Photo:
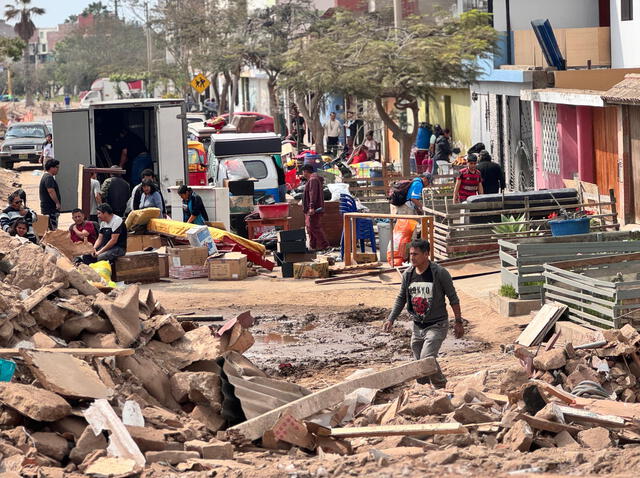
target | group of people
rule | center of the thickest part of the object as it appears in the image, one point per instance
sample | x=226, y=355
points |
x=360, y=146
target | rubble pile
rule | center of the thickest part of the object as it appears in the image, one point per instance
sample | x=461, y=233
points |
x=110, y=381
x=8, y=183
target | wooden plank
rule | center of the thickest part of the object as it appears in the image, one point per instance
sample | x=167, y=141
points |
x=587, y=416
x=548, y=425
x=41, y=294
x=73, y=351
x=541, y=324
x=595, y=261
x=426, y=429
x=306, y=406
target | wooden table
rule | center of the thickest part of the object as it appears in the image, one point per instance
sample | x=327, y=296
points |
x=253, y=224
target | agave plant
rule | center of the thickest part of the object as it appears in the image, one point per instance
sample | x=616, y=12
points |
x=509, y=224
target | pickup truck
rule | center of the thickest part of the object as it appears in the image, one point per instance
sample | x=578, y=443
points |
x=23, y=142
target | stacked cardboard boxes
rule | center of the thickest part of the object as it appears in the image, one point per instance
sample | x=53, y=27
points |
x=292, y=248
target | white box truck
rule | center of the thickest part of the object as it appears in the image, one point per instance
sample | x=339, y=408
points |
x=84, y=136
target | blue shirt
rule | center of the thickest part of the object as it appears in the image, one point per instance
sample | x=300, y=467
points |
x=415, y=190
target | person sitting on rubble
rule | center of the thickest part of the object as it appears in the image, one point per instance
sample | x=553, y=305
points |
x=17, y=210
x=82, y=230
x=20, y=230
x=112, y=237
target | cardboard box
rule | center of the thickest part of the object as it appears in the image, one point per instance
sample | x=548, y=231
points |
x=137, y=267
x=199, y=236
x=238, y=204
x=187, y=256
x=187, y=272
x=163, y=265
x=311, y=270
x=231, y=266
x=142, y=241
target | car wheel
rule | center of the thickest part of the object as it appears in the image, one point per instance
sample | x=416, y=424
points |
x=6, y=165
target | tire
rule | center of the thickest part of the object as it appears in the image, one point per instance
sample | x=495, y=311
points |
x=6, y=164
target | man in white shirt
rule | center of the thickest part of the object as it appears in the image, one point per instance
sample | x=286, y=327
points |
x=333, y=129
x=47, y=149
x=95, y=199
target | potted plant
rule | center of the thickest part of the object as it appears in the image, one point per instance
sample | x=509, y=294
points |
x=566, y=223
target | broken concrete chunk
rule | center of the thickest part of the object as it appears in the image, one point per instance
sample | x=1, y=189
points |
x=87, y=443
x=9, y=417
x=43, y=341
x=171, y=457
x=36, y=403
x=469, y=414
x=513, y=378
x=147, y=439
x=199, y=344
x=550, y=360
x=597, y=438
x=161, y=417
x=100, y=341
x=208, y=417
x=48, y=315
x=199, y=387
x=123, y=314
x=519, y=437
x=211, y=450
x=51, y=445
x=167, y=327
x=151, y=376
x=565, y=440
x=65, y=374
x=438, y=404
x=110, y=466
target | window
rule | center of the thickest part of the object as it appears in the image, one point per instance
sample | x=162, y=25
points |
x=256, y=169
x=626, y=10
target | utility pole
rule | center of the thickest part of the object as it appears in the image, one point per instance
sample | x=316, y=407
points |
x=397, y=13
x=115, y=7
x=148, y=37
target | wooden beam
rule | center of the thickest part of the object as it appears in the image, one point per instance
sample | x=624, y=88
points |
x=62, y=350
x=306, y=406
x=548, y=425
x=41, y=294
x=425, y=429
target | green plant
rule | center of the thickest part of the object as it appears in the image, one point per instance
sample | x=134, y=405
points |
x=508, y=291
x=511, y=224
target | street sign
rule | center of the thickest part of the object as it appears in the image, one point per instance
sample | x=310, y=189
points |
x=200, y=83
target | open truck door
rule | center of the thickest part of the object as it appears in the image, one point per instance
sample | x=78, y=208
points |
x=73, y=138
x=172, y=164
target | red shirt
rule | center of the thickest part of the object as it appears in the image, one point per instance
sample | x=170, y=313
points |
x=359, y=157
x=469, y=183
x=86, y=226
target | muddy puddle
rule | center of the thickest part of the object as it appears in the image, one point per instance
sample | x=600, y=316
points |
x=301, y=345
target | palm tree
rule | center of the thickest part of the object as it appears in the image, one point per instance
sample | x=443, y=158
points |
x=25, y=29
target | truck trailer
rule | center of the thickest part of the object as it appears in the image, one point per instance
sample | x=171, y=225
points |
x=85, y=136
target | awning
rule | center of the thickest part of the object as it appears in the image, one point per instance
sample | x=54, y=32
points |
x=627, y=92
x=563, y=96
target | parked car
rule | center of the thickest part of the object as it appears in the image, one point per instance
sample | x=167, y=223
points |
x=264, y=123
x=196, y=118
x=23, y=142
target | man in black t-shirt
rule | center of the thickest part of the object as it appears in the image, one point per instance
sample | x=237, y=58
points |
x=424, y=287
x=492, y=174
x=115, y=191
x=50, y=193
x=112, y=237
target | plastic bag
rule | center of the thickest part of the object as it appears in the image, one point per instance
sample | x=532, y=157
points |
x=103, y=268
x=236, y=170
x=402, y=234
x=337, y=189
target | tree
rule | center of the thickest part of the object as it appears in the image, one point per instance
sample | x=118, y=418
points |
x=271, y=33
x=366, y=57
x=96, y=9
x=24, y=28
x=99, y=50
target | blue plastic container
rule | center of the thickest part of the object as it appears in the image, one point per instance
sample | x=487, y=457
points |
x=7, y=368
x=568, y=227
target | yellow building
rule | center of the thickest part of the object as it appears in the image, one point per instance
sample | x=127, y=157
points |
x=450, y=108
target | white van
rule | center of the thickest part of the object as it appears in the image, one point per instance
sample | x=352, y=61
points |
x=255, y=150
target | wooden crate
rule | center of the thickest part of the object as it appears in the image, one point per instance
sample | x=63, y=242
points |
x=137, y=267
x=469, y=228
x=601, y=292
x=522, y=260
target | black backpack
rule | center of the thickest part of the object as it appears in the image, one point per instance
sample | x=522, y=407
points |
x=398, y=192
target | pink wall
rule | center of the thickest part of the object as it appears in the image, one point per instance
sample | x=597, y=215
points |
x=575, y=146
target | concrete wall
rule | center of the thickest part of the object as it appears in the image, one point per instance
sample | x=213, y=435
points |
x=624, y=37
x=561, y=14
x=460, y=114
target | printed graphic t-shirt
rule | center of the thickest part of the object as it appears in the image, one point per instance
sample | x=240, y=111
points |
x=421, y=294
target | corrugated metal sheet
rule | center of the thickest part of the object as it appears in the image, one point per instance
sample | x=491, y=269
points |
x=248, y=392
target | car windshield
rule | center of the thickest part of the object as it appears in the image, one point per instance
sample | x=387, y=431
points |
x=25, y=131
